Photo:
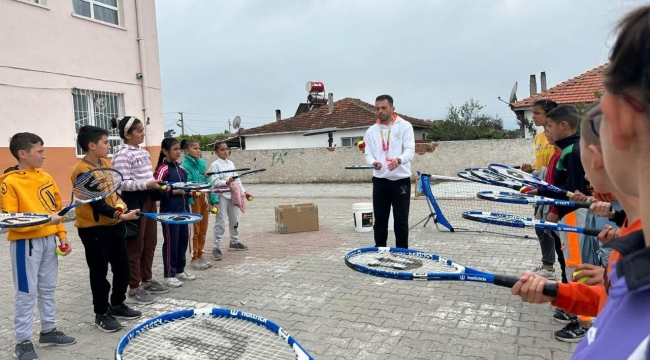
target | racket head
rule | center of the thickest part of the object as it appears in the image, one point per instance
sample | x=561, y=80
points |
x=189, y=185
x=96, y=184
x=495, y=179
x=227, y=171
x=500, y=219
x=176, y=218
x=210, y=332
x=403, y=264
x=516, y=174
x=467, y=175
x=19, y=220
x=360, y=167
x=509, y=197
x=252, y=172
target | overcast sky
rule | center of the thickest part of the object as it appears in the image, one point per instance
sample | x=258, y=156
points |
x=220, y=59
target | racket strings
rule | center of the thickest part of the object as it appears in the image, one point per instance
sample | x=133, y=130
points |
x=96, y=184
x=402, y=262
x=185, y=217
x=207, y=338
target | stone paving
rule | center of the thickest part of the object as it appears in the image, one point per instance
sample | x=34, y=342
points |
x=300, y=281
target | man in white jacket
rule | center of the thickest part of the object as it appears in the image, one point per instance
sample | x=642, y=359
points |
x=390, y=146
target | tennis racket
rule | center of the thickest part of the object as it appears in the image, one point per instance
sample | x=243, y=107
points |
x=496, y=179
x=248, y=173
x=519, y=198
x=215, y=190
x=92, y=186
x=409, y=264
x=204, y=334
x=526, y=178
x=360, y=167
x=177, y=218
x=523, y=222
x=18, y=220
x=226, y=171
x=187, y=185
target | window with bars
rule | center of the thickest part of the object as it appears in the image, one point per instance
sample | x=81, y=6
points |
x=350, y=141
x=102, y=10
x=97, y=108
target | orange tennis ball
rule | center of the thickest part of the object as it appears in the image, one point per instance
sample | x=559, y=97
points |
x=361, y=144
x=582, y=279
x=120, y=208
x=60, y=250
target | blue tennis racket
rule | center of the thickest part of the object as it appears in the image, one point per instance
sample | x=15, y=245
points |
x=519, y=198
x=493, y=178
x=410, y=264
x=209, y=334
x=526, y=178
x=178, y=218
x=523, y=222
x=187, y=185
x=226, y=171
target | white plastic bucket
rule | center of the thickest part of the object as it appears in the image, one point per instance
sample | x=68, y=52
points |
x=364, y=217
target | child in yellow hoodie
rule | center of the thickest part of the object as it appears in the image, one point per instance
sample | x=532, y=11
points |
x=34, y=263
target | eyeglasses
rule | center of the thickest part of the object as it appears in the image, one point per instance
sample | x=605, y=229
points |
x=595, y=117
x=637, y=106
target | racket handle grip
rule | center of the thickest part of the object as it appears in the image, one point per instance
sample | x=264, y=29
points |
x=550, y=289
x=582, y=205
x=63, y=212
x=591, y=231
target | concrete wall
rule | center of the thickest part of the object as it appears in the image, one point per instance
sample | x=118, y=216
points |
x=298, y=141
x=321, y=165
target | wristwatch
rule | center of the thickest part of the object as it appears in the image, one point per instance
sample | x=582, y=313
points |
x=399, y=161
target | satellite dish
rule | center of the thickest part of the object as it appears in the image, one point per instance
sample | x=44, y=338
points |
x=513, y=94
x=236, y=122
x=320, y=131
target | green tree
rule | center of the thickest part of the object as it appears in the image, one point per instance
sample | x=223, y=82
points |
x=205, y=141
x=466, y=122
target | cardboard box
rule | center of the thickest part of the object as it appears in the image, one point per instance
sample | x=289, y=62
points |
x=296, y=218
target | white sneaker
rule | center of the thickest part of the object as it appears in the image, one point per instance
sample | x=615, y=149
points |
x=198, y=265
x=172, y=282
x=542, y=271
x=185, y=276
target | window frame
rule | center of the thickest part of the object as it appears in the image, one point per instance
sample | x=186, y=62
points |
x=92, y=4
x=352, y=139
x=90, y=114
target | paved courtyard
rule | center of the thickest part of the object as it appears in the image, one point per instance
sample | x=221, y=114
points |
x=301, y=282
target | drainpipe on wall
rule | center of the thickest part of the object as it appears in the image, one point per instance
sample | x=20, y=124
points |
x=143, y=66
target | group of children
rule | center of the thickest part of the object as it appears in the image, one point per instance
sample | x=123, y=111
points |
x=613, y=152
x=110, y=229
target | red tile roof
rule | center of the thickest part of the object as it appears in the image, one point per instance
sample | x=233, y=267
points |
x=580, y=89
x=348, y=113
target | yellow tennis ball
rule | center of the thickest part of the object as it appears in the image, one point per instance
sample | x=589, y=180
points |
x=582, y=279
x=163, y=187
x=60, y=250
x=214, y=210
x=120, y=207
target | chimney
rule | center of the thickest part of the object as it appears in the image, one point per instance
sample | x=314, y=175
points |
x=542, y=78
x=278, y=115
x=533, y=85
x=330, y=103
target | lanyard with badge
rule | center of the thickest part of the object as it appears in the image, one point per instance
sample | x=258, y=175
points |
x=385, y=144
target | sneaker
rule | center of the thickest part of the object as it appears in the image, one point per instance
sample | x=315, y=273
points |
x=205, y=262
x=542, y=271
x=173, y=282
x=198, y=265
x=25, y=351
x=55, y=337
x=141, y=296
x=217, y=255
x=185, y=276
x=107, y=323
x=573, y=332
x=124, y=312
x=156, y=287
x=237, y=246
x=564, y=318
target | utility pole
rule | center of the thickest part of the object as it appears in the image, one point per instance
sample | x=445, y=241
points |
x=228, y=127
x=182, y=124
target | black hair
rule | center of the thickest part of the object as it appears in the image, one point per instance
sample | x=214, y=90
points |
x=546, y=105
x=23, y=141
x=186, y=143
x=385, y=97
x=89, y=134
x=120, y=123
x=629, y=61
x=166, y=144
x=217, y=144
x=567, y=113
